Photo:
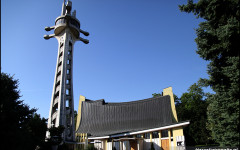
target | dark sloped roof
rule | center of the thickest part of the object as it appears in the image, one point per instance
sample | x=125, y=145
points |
x=99, y=118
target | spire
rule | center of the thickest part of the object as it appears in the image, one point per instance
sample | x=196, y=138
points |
x=63, y=8
x=69, y=7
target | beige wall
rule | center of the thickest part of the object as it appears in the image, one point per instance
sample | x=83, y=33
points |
x=177, y=132
x=168, y=91
x=80, y=135
x=81, y=99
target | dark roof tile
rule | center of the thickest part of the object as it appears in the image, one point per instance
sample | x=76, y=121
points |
x=99, y=118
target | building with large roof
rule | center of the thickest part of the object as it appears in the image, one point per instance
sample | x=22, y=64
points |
x=131, y=125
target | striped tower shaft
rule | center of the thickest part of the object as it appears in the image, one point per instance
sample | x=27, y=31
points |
x=66, y=31
x=62, y=102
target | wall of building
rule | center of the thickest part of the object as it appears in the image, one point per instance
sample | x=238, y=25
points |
x=81, y=99
x=177, y=132
x=144, y=144
x=168, y=91
x=156, y=143
x=116, y=145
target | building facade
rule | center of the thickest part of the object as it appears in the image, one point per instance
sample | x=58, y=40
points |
x=135, y=125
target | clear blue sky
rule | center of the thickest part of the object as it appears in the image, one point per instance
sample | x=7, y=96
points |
x=137, y=48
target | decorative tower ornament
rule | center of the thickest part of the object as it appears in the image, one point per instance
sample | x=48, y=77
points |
x=67, y=32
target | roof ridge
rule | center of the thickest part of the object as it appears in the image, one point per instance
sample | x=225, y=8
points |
x=129, y=102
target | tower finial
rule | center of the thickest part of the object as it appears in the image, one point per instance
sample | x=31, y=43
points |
x=63, y=8
x=69, y=7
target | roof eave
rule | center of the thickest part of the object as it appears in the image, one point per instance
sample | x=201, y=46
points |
x=185, y=123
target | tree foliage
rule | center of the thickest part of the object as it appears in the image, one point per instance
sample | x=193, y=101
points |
x=193, y=106
x=218, y=42
x=156, y=94
x=19, y=123
x=56, y=135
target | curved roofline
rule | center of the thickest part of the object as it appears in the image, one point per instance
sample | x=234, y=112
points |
x=124, y=103
x=100, y=118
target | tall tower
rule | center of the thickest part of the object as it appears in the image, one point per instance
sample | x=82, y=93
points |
x=67, y=32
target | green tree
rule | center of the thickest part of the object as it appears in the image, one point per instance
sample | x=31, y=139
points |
x=193, y=106
x=176, y=99
x=218, y=43
x=56, y=134
x=156, y=94
x=19, y=124
x=37, y=128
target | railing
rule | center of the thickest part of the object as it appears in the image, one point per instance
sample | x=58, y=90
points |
x=57, y=88
x=58, y=79
x=54, y=115
x=56, y=100
x=61, y=21
x=59, y=68
x=60, y=58
x=74, y=23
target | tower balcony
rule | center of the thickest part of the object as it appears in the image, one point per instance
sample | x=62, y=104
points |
x=56, y=100
x=59, y=68
x=54, y=115
x=67, y=21
x=60, y=58
x=56, y=93
x=58, y=73
x=57, y=88
x=58, y=79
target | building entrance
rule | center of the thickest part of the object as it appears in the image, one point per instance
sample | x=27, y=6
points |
x=133, y=144
x=165, y=144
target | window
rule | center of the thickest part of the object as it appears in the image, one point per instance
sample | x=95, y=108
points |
x=67, y=103
x=70, y=46
x=155, y=135
x=138, y=136
x=164, y=133
x=67, y=92
x=67, y=81
x=147, y=135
